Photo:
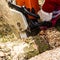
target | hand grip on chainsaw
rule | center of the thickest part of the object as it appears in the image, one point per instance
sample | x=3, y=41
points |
x=29, y=13
x=23, y=10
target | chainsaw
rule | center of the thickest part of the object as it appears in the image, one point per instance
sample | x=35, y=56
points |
x=29, y=10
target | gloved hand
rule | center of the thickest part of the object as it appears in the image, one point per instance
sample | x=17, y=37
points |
x=45, y=16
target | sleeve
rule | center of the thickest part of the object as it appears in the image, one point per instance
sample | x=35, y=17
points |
x=48, y=6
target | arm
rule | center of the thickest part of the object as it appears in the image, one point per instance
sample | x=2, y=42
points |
x=47, y=9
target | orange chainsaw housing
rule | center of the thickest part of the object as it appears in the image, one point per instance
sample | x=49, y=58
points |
x=29, y=4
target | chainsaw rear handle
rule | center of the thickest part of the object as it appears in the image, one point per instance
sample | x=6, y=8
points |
x=29, y=13
x=23, y=10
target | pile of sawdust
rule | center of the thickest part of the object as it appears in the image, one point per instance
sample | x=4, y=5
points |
x=53, y=37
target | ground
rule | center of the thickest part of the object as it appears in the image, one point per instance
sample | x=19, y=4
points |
x=13, y=47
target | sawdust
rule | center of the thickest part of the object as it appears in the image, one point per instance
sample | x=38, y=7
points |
x=53, y=37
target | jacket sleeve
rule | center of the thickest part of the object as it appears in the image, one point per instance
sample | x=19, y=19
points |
x=49, y=6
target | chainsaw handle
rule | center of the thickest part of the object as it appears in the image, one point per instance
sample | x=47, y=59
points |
x=23, y=10
x=29, y=13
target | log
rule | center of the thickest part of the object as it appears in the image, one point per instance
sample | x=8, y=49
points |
x=48, y=55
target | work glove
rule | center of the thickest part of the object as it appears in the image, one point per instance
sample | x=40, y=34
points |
x=45, y=16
